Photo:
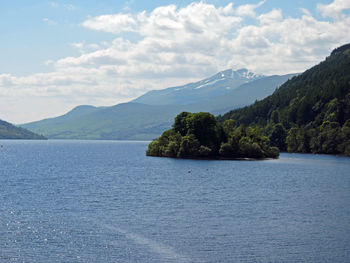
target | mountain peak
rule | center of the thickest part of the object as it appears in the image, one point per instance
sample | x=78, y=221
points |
x=218, y=84
x=244, y=73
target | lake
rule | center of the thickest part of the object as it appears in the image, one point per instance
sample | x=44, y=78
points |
x=105, y=201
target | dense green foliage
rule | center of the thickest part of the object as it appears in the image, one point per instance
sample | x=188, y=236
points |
x=310, y=112
x=200, y=135
x=9, y=131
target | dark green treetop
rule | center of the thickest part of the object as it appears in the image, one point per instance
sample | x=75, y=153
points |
x=200, y=135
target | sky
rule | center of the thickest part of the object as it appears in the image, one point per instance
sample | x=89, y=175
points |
x=56, y=55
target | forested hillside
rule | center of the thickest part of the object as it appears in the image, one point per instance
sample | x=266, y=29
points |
x=310, y=112
x=9, y=131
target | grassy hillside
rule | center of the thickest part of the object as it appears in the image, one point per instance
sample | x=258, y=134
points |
x=9, y=131
x=131, y=121
x=310, y=112
x=46, y=126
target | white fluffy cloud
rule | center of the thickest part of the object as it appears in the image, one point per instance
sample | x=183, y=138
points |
x=201, y=36
x=248, y=10
x=111, y=23
x=172, y=46
x=334, y=9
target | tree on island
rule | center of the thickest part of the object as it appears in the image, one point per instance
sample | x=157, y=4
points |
x=200, y=135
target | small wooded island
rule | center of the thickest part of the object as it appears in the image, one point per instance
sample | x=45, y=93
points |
x=200, y=135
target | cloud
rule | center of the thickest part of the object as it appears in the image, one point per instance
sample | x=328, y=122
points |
x=93, y=46
x=167, y=20
x=6, y=80
x=248, y=10
x=219, y=35
x=173, y=46
x=78, y=45
x=85, y=48
x=49, y=62
x=272, y=17
x=111, y=23
x=169, y=37
x=50, y=22
x=334, y=9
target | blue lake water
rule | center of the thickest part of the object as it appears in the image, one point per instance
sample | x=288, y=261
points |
x=105, y=201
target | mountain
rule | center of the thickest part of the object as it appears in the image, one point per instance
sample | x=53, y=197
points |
x=140, y=121
x=9, y=131
x=244, y=95
x=132, y=121
x=64, y=122
x=310, y=112
x=219, y=84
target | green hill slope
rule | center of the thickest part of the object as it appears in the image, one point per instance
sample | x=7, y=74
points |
x=131, y=121
x=310, y=112
x=9, y=131
x=48, y=126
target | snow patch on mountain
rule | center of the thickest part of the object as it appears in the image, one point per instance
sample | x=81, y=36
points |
x=218, y=84
x=208, y=84
x=241, y=74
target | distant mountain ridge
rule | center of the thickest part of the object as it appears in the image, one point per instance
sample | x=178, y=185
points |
x=216, y=85
x=245, y=94
x=131, y=121
x=10, y=131
x=224, y=91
